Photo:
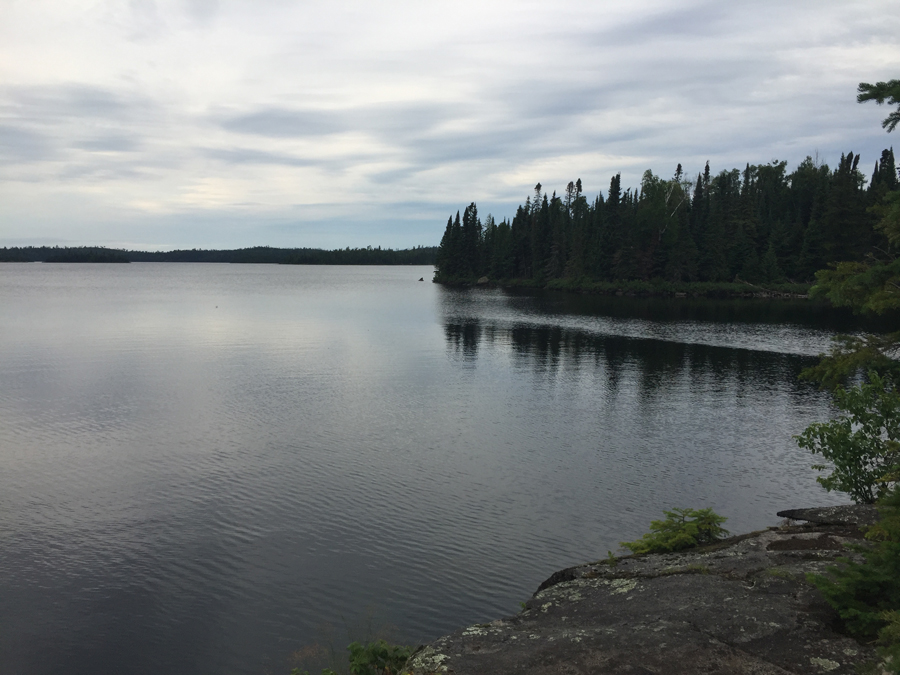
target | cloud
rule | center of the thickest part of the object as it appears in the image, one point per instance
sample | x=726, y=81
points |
x=250, y=156
x=108, y=143
x=20, y=145
x=51, y=119
x=203, y=12
x=281, y=123
x=317, y=119
x=45, y=104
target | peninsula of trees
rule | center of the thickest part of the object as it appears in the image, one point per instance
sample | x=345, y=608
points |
x=760, y=225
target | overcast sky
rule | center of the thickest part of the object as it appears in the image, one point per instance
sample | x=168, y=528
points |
x=222, y=123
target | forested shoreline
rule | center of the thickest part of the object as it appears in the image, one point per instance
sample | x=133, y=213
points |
x=732, y=231
x=420, y=255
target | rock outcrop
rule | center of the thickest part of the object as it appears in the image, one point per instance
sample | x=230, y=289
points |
x=740, y=606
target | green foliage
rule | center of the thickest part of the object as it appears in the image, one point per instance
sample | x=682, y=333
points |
x=863, y=446
x=853, y=354
x=869, y=284
x=888, y=210
x=889, y=641
x=372, y=658
x=867, y=595
x=780, y=573
x=760, y=225
x=682, y=528
x=698, y=569
x=882, y=92
x=377, y=658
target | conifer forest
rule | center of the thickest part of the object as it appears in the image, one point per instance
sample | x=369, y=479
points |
x=759, y=225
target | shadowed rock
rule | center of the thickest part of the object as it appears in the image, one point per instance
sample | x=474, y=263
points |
x=740, y=606
x=852, y=514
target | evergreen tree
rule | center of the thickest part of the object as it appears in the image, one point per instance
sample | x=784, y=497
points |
x=759, y=224
x=882, y=92
x=446, y=255
x=610, y=240
x=721, y=197
x=770, y=271
x=470, y=235
x=846, y=226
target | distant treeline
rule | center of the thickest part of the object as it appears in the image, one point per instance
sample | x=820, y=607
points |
x=87, y=254
x=421, y=255
x=759, y=225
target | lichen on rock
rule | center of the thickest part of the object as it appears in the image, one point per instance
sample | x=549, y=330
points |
x=740, y=606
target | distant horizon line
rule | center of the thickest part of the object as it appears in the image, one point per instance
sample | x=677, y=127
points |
x=215, y=250
x=422, y=255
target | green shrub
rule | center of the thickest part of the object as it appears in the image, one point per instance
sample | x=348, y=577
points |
x=372, y=658
x=682, y=528
x=867, y=595
x=889, y=641
x=862, y=446
x=377, y=658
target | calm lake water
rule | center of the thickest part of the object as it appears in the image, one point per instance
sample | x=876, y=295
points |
x=205, y=468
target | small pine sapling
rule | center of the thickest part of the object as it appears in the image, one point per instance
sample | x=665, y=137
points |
x=682, y=528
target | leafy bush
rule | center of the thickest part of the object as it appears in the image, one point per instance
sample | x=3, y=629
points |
x=377, y=658
x=867, y=595
x=682, y=528
x=372, y=658
x=862, y=446
x=889, y=641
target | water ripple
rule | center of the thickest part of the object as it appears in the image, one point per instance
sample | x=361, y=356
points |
x=203, y=465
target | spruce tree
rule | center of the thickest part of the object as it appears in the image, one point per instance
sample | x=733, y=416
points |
x=444, y=258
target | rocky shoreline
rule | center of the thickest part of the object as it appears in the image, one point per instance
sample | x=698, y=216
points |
x=740, y=606
x=640, y=289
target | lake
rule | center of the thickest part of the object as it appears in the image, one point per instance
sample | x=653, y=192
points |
x=208, y=468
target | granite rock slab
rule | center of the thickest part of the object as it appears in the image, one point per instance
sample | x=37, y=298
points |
x=741, y=606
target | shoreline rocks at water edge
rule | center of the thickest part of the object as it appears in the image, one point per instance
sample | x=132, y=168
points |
x=739, y=606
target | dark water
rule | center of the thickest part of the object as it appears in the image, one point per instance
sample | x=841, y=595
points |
x=203, y=465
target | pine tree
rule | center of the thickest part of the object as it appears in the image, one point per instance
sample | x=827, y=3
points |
x=759, y=224
x=721, y=196
x=445, y=254
x=846, y=227
x=770, y=271
x=471, y=242
x=610, y=239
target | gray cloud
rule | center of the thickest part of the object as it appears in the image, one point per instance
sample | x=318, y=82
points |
x=203, y=12
x=385, y=119
x=44, y=104
x=248, y=156
x=83, y=133
x=21, y=145
x=108, y=143
x=284, y=123
x=402, y=119
x=694, y=21
x=392, y=114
